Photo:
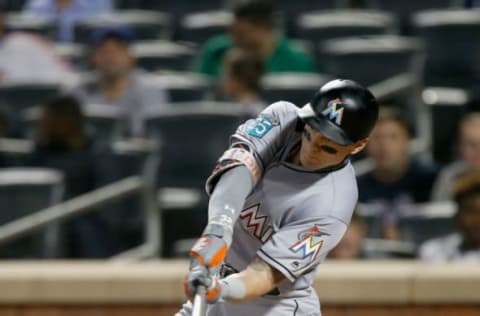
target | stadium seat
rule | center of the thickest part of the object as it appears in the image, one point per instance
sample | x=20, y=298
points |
x=191, y=139
x=163, y=55
x=447, y=106
x=106, y=122
x=404, y=10
x=13, y=5
x=184, y=87
x=388, y=249
x=41, y=26
x=75, y=54
x=147, y=25
x=199, y=27
x=16, y=97
x=23, y=191
x=417, y=222
x=127, y=216
x=182, y=7
x=324, y=25
x=427, y=221
x=133, y=4
x=453, y=46
x=297, y=88
x=290, y=10
x=371, y=59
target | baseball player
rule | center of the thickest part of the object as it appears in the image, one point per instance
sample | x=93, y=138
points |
x=282, y=197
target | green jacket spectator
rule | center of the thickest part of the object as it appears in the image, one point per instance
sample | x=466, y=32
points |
x=284, y=58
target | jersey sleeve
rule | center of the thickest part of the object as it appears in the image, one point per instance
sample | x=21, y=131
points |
x=298, y=248
x=256, y=142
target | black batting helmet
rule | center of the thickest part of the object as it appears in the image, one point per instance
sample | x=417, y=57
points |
x=342, y=110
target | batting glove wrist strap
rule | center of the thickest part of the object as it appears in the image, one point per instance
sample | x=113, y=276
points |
x=222, y=231
x=209, y=251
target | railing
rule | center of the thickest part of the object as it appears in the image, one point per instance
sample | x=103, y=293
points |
x=93, y=201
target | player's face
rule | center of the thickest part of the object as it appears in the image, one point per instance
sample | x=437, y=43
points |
x=470, y=143
x=389, y=145
x=469, y=220
x=319, y=152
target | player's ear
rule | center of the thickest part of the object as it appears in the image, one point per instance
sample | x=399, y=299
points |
x=359, y=146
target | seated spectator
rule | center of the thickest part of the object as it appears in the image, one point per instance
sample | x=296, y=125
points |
x=27, y=57
x=464, y=245
x=118, y=82
x=351, y=245
x=240, y=82
x=63, y=144
x=253, y=29
x=66, y=13
x=469, y=147
x=397, y=180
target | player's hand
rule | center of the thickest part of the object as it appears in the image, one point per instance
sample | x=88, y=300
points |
x=209, y=251
x=198, y=276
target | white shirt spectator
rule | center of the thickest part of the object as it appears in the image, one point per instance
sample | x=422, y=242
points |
x=446, y=249
x=25, y=57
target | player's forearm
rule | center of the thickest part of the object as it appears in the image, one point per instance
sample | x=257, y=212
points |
x=227, y=201
x=258, y=279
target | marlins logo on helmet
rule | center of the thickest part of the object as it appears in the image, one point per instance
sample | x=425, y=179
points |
x=334, y=111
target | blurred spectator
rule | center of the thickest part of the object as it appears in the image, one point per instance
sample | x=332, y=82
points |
x=351, y=245
x=63, y=144
x=240, y=82
x=66, y=12
x=398, y=180
x=469, y=146
x=253, y=29
x=464, y=245
x=118, y=82
x=26, y=57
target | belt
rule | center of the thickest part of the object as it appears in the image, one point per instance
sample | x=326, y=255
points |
x=226, y=270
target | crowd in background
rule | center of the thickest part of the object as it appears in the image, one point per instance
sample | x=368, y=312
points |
x=236, y=61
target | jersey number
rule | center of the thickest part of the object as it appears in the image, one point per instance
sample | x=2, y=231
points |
x=262, y=126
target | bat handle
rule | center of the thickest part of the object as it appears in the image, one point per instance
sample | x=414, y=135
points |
x=199, y=302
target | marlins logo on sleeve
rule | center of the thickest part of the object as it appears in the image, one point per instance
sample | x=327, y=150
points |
x=307, y=245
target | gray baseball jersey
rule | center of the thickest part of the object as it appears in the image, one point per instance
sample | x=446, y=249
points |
x=292, y=218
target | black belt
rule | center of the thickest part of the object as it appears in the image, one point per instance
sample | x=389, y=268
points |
x=226, y=270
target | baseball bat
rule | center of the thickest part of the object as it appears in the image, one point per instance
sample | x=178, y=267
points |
x=199, y=302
